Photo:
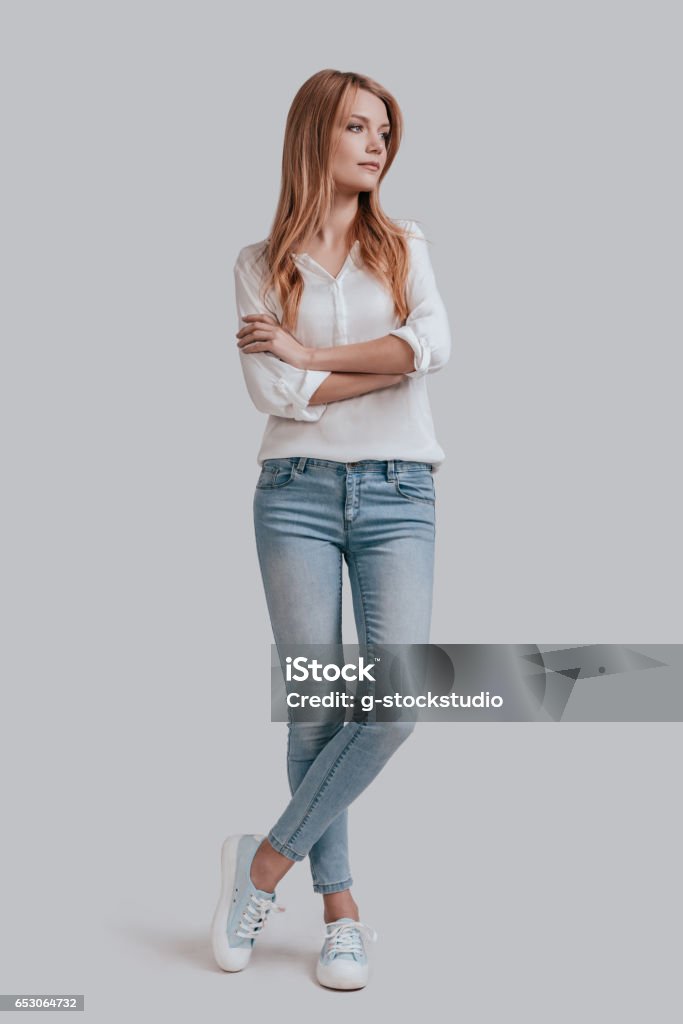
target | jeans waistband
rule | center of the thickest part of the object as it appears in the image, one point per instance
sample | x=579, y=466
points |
x=388, y=467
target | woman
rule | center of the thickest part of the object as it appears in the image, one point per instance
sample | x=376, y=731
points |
x=341, y=322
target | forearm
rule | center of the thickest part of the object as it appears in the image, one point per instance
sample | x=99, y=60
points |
x=388, y=354
x=348, y=385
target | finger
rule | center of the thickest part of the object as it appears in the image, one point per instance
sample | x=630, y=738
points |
x=255, y=335
x=256, y=326
x=256, y=346
x=263, y=325
x=246, y=332
x=260, y=316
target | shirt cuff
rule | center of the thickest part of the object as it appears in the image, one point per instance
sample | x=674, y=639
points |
x=301, y=396
x=420, y=347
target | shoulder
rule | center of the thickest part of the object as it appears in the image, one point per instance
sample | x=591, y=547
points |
x=251, y=271
x=411, y=228
x=250, y=257
x=418, y=245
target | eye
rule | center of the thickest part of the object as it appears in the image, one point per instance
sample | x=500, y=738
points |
x=385, y=135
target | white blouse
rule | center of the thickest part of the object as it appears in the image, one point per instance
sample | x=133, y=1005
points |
x=392, y=423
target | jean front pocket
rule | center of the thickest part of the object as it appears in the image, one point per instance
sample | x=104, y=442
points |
x=275, y=473
x=416, y=485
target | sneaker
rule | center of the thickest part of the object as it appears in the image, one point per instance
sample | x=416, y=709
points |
x=343, y=962
x=242, y=909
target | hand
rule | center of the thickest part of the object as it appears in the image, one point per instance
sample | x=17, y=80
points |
x=263, y=333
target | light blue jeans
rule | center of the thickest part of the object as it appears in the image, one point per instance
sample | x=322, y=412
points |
x=379, y=517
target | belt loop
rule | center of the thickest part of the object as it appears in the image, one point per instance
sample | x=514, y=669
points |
x=391, y=471
x=301, y=465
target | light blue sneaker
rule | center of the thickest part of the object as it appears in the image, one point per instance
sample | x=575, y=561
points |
x=242, y=909
x=343, y=961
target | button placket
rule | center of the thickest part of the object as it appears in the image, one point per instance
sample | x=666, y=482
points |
x=340, y=328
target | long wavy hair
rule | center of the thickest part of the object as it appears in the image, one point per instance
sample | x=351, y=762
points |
x=307, y=190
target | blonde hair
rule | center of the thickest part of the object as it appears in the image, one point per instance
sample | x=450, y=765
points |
x=307, y=190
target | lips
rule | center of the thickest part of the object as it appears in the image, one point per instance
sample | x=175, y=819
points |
x=370, y=163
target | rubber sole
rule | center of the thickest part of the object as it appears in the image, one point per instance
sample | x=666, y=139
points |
x=333, y=978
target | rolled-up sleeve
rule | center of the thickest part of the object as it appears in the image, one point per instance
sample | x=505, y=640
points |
x=426, y=328
x=275, y=387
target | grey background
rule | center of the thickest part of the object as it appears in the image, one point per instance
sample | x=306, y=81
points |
x=506, y=868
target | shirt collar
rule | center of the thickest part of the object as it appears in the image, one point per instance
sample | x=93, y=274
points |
x=306, y=260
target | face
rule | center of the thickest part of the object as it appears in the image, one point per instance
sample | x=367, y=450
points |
x=364, y=138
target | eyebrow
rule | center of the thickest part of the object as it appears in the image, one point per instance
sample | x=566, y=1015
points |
x=362, y=117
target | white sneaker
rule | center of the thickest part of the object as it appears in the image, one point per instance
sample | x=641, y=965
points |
x=343, y=961
x=242, y=909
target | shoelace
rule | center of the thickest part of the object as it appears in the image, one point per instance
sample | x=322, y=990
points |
x=346, y=938
x=254, y=916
